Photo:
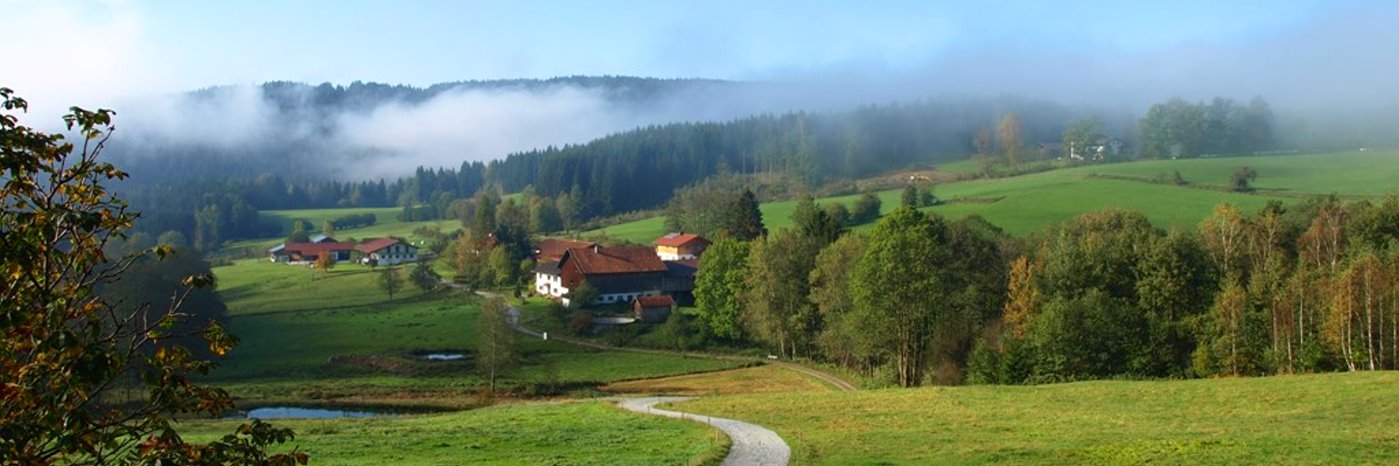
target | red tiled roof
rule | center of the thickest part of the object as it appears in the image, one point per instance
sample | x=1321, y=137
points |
x=596, y=260
x=369, y=246
x=553, y=248
x=315, y=249
x=663, y=300
x=679, y=239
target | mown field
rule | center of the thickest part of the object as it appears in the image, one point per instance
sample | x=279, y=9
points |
x=1286, y=420
x=582, y=433
x=337, y=338
x=1028, y=203
x=759, y=379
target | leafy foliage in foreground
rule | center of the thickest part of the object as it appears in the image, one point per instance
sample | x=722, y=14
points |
x=65, y=352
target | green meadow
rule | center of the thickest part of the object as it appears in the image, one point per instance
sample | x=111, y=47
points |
x=1028, y=203
x=337, y=338
x=578, y=433
x=1344, y=418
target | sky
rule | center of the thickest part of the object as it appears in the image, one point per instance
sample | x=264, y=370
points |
x=98, y=49
x=1304, y=56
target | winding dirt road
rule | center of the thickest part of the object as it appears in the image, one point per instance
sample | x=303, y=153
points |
x=752, y=444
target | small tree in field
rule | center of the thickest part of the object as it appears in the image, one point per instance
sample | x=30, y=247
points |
x=325, y=262
x=495, y=340
x=423, y=276
x=389, y=281
x=1241, y=178
x=66, y=353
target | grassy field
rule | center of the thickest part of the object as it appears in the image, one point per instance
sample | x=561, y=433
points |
x=1285, y=420
x=337, y=339
x=588, y=433
x=1028, y=203
x=759, y=379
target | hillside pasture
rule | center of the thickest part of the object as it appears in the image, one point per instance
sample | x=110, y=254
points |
x=581, y=433
x=338, y=338
x=1346, y=418
x=1028, y=203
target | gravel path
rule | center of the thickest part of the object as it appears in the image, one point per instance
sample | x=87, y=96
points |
x=752, y=444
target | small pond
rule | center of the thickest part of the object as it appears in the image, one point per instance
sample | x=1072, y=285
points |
x=292, y=412
x=443, y=356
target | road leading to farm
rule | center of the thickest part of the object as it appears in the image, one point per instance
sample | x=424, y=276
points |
x=752, y=444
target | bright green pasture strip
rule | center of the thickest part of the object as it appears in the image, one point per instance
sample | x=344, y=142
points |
x=1274, y=421
x=591, y=433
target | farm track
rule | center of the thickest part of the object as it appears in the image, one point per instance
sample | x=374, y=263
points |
x=752, y=444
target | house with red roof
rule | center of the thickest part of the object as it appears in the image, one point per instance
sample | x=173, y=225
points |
x=680, y=246
x=552, y=249
x=386, y=251
x=306, y=253
x=619, y=274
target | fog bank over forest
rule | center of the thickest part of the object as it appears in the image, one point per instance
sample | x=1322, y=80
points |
x=1326, y=91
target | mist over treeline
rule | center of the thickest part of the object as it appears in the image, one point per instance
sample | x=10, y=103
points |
x=205, y=162
x=218, y=193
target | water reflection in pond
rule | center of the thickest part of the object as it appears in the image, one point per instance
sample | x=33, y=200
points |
x=444, y=356
x=288, y=412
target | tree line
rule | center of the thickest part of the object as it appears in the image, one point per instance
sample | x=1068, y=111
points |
x=920, y=299
x=642, y=169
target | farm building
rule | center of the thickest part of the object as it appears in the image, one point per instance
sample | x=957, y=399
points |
x=305, y=253
x=653, y=309
x=680, y=246
x=621, y=274
x=387, y=251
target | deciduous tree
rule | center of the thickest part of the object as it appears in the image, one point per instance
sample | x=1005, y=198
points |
x=720, y=280
x=495, y=340
x=390, y=281
x=64, y=350
x=901, y=288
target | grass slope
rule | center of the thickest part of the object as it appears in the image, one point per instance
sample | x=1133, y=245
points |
x=292, y=322
x=759, y=379
x=1275, y=421
x=1028, y=203
x=592, y=433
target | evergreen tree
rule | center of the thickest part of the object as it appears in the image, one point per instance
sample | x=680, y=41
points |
x=745, y=220
x=909, y=198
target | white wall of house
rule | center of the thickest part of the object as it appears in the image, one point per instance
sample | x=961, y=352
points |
x=670, y=256
x=549, y=285
x=395, y=254
x=623, y=297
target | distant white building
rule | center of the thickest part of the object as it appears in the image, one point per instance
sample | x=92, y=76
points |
x=387, y=251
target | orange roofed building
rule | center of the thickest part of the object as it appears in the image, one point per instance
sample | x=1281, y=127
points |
x=680, y=246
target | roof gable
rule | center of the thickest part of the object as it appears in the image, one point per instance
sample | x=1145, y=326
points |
x=554, y=248
x=372, y=245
